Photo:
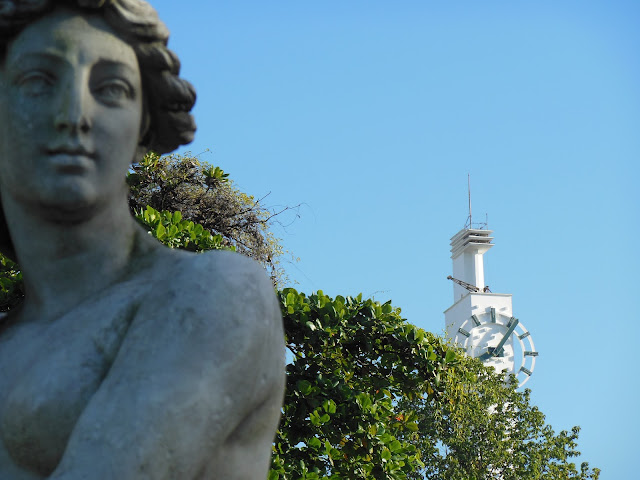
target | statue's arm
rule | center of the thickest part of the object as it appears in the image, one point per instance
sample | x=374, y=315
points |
x=196, y=389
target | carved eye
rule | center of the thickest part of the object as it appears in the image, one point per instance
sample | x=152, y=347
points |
x=35, y=83
x=113, y=91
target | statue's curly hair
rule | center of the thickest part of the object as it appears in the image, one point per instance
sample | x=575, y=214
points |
x=168, y=98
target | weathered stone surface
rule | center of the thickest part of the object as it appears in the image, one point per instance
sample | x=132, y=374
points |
x=127, y=360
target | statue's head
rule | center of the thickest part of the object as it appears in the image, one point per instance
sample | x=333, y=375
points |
x=168, y=98
x=88, y=86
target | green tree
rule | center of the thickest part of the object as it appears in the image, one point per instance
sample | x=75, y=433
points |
x=483, y=427
x=175, y=232
x=365, y=386
x=353, y=361
x=206, y=196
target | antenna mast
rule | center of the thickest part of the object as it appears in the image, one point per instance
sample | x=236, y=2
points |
x=469, y=224
x=469, y=190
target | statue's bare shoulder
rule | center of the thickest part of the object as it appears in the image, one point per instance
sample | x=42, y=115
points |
x=202, y=362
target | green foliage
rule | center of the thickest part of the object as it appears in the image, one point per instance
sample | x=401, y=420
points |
x=371, y=396
x=11, y=287
x=353, y=361
x=175, y=232
x=206, y=196
x=482, y=427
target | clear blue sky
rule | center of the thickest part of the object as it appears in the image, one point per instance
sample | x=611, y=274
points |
x=372, y=113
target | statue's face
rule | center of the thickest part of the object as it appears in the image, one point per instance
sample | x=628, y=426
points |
x=70, y=115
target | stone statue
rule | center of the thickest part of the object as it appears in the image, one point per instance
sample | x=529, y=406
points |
x=127, y=360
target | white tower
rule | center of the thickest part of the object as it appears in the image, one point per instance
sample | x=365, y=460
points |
x=468, y=247
x=480, y=321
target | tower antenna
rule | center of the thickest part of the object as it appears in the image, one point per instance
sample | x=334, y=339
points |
x=469, y=224
x=469, y=190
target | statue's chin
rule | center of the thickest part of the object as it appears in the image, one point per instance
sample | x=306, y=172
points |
x=68, y=214
x=72, y=204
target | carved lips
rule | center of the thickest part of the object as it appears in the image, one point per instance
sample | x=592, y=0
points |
x=71, y=158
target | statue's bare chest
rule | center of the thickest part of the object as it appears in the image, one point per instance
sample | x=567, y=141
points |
x=49, y=372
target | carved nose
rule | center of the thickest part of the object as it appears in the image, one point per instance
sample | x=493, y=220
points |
x=74, y=124
x=72, y=113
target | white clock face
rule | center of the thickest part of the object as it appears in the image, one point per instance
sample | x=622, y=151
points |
x=499, y=341
x=489, y=335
